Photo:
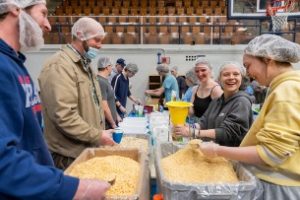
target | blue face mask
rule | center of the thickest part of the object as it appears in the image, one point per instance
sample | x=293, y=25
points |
x=92, y=53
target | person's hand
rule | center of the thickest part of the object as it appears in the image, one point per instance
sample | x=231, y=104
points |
x=119, y=119
x=210, y=149
x=122, y=109
x=181, y=130
x=106, y=137
x=114, y=126
x=148, y=92
x=89, y=189
x=138, y=102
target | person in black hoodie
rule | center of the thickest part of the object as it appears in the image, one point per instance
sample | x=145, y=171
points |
x=228, y=118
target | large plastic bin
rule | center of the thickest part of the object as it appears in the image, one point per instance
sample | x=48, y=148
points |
x=244, y=190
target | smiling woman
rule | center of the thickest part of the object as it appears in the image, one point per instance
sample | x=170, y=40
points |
x=230, y=78
x=227, y=118
x=271, y=147
x=207, y=90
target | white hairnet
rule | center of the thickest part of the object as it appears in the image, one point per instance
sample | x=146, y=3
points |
x=175, y=68
x=162, y=68
x=27, y=3
x=230, y=64
x=132, y=67
x=192, y=77
x=274, y=47
x=104, y=62
x=202, y=61
x=88, y=27
x=31, y=35
x=7, y=5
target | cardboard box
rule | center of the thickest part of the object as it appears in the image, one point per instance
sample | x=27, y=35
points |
x=143, y=189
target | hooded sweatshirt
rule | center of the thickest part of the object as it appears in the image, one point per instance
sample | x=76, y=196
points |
x=231, y=118
x=26, y=167
x=276, y=132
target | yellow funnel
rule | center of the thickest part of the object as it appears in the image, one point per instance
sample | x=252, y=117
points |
x=178, y=111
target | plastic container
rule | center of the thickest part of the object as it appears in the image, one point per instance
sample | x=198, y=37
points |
x=148, y=108
x=161, y=133
x=158, y=197
x=173, y=95
x=117, y=135
x=178, y=111
x=140, y=110
x=244, y=189
x=140, y=136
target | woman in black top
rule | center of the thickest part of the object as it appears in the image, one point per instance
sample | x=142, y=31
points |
x=207, y=90
x=201, y=104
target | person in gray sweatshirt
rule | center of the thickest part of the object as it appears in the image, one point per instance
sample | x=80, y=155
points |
x=229, y=117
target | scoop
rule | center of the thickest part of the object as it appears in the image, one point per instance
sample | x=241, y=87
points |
x=112, y=181
x=195, y=144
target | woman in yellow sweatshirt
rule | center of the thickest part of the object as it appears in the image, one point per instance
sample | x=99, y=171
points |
x=271, y=147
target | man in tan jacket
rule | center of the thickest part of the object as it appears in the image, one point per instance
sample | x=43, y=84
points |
x=71, y=96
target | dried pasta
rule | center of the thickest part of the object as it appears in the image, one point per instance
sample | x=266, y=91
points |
x=134, y=142
x=189, y=165
x=125, y=170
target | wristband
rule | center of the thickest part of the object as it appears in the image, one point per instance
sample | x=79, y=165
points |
x=193, y=133
x=199, y=135
x=193, y=130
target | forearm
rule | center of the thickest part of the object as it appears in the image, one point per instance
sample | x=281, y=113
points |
x=153, y=92
x=210, y=133
x=109, y=118
x=118, y=103
x=120, y=107
x=156, y=92
x=247, y=155
x=108, y=115
x=133, y=99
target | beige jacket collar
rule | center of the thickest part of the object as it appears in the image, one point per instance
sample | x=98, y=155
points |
x=75, y=56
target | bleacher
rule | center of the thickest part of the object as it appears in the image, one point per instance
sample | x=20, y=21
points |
x=156, y=22
x=142, y=7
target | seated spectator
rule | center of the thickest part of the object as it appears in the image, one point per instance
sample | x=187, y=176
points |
x=228, y=118
x=191, y=81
